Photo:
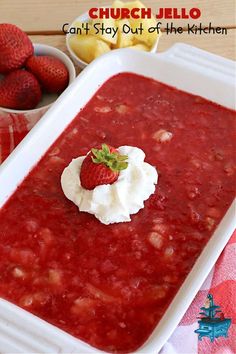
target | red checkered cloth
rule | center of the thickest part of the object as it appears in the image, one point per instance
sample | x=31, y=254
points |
x=221, y=282
x=13, y=128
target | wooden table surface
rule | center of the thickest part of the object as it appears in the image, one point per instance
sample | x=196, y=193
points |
x=43, y=20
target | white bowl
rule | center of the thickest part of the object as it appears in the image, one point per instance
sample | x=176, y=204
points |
x=184, y=67
x=47, y=99
x=82, y=64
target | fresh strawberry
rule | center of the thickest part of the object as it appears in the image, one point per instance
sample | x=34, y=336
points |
x=15, y=48
x=50, y=71
x=19, y=90
x=102, y=166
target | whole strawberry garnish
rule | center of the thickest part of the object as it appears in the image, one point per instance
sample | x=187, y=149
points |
x=50, y=71
x=19, y=90
x=102, y=166
x=15, y=48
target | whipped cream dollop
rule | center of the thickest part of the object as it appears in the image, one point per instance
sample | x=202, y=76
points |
x=113, y=203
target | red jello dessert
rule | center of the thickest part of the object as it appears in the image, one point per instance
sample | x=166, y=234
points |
x=109, y=285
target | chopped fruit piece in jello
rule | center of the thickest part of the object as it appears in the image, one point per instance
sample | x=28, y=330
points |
x=102, y=166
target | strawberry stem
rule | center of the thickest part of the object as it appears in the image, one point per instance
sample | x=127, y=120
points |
x=115, y=161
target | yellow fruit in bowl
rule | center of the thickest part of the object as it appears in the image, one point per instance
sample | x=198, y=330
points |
x=134, y=4
x=101, y=48
x=140, y=46
x=107, y=23
x=81, y=27
x=145, y=37
x=124, y=39
x=98, y=36
x=118, y=4
x=88, y=47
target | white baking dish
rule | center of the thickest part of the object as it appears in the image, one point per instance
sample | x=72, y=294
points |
x=182, y=66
